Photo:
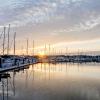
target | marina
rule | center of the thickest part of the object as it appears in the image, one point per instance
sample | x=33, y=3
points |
x=49, y=49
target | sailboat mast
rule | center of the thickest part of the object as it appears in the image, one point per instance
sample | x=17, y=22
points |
x=33, y=47
x=14, y=43
x=27, y=47
x=8, y=39
x=4, y=41
x=49, y=49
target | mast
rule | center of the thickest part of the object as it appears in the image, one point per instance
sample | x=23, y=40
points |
x=8, y=40
x=27, y=47
x=53, y=51
x=33, y=47
x=45, y=49
x=66, y=53
x=4, y=41
x=14, y=43
x=49, y=49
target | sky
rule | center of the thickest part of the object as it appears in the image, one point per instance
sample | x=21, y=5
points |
x=73, y=24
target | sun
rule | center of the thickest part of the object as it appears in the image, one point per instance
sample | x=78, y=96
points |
x=41, y=54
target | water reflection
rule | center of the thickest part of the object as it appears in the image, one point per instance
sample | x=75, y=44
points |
x=46, y=81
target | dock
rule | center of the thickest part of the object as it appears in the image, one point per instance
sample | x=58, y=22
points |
x=8, y=63
x=2, y=70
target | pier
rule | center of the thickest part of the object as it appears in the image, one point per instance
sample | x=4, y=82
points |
x=16, y=62
x=15, y=67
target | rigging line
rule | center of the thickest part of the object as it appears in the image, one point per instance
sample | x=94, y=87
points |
x=1, y=35
x=2, y=44
x=4, y=50
x=1, y=49
x=6, y=47
x=10, y=45
x=5, y=36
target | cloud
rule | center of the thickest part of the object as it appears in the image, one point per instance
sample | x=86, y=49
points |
x=91, y=45
x=51, y=17
x=64, y=23
x=22, y=12
x=86, y=45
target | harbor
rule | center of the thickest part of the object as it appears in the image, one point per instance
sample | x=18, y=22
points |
x=10, y=59
x=49, y=50
x=35, y=74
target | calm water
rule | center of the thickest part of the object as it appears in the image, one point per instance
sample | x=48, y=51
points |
x=53, y=82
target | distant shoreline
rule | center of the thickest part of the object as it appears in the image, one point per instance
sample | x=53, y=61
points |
x=71, y=58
